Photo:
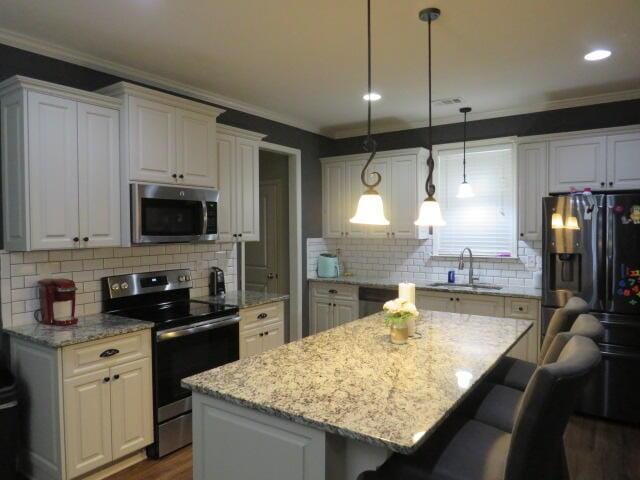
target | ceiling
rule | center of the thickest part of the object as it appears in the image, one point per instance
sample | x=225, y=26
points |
x=304, y=61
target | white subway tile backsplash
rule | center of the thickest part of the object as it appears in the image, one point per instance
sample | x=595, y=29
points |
x=21, y=271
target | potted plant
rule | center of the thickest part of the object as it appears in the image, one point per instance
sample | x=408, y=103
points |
x=397, y=315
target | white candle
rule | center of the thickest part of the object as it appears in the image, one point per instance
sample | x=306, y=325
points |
x=407, y=291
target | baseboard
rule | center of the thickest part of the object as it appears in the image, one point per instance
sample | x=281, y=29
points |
x=116, y=466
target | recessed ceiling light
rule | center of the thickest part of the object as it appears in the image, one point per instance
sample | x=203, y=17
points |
x=373, y=96
x=597, y=55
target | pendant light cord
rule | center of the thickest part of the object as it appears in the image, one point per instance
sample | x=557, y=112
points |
x=464, y=150
x=369, y=144
x=429, y=186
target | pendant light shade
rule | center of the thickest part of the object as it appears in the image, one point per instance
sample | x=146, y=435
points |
x=464, y=190
x=429, y=214
x=370, y=209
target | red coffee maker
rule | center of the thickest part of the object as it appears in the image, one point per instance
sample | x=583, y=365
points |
x=57, y=301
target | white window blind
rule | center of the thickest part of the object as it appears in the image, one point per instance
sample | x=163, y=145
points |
x=486, y=223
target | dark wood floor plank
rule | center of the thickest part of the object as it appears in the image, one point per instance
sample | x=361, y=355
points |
x=596, y=450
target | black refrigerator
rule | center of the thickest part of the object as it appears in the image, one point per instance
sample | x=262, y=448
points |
x=591, y=249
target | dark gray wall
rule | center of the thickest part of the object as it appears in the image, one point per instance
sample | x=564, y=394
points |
x=553, y=121
x=14, y=61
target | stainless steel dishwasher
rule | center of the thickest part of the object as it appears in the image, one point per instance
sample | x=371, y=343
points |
x=371, y=300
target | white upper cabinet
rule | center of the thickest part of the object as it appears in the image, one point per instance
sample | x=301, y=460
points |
x=532, y=187
x=53, y=171
x=623, y=161
x=238, y=173
x=167, y=139
x=98, y=171
x=334, y=200
x=196, y=147
x=577, y=163
x=403, y=174
x=60, y=165
x=152, y=133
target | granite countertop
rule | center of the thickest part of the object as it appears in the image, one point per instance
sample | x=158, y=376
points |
x=505, y=291
x=352, y=381
x=245, y=298
x=88, y=328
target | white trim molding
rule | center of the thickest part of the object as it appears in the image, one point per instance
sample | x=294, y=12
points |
x=391, y=126
x=41, y=47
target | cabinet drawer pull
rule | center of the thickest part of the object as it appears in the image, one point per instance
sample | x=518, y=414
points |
x=333, y=291
x=262, y=316
x=109, y=353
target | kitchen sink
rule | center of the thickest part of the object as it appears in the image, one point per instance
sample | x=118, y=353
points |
x=481, y=286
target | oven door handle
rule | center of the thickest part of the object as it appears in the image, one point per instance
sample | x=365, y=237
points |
x=205, y=219
x=166, y=335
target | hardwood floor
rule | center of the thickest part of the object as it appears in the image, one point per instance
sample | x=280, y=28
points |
x=596, y=450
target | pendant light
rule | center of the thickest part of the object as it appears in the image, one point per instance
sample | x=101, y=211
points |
x=370, y=209
x=430, y=215
x=464, y=190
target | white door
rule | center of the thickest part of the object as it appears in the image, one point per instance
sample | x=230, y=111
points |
x=152, y=147
x=333, y=200
x=532, y=186
x=131, y=407
x=623, y=161
x=381, y=165
x=402, y=196
x=273, y=335
x=354, y=189
x=250, y=342
x=577, y=163
x=247, y=190
x=479, y=305
x=196, y=149
x=321, y=316
x=53, y=172
x=99, y=176
x=87, y=422
x=344, y=312
x=226, y=190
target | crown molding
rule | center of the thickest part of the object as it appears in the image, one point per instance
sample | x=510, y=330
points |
x=382, y=127
x=31, y=44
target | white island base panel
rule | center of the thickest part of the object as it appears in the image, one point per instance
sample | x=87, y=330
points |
x=231, y=442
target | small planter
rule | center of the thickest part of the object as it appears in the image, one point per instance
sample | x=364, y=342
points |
x=399, y=334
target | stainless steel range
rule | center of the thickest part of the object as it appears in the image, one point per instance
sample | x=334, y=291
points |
x=189, y=337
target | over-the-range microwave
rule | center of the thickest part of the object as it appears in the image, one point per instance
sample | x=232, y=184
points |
x=164, y=214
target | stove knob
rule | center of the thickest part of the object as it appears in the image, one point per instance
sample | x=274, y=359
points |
x=124, y=285
x=182, y=278
x=115, y=287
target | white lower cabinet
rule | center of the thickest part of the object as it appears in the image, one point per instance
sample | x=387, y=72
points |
x=332, y=305
x=261, y=328
x=88, y=406
x=490, y=306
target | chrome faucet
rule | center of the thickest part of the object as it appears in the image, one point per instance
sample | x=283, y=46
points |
x=461, y=264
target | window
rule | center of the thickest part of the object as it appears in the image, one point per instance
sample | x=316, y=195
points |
x=486, y=223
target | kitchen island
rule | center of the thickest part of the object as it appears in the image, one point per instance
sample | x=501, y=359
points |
x=340, y=402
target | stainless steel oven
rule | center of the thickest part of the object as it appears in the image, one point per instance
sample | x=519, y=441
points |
x=162, y=214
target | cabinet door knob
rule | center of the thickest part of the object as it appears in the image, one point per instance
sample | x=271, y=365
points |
x=76, y=239
x=520, y=308
x=174, y=175
x=457, y=299
x=106, y=379
x=522, y=234
x=181, y=176
x=85, y=239
x=451, y=299
x=239, y=234
x=611, y=184
x=116, y=376
x=393, y=234
x=602, y=184
x=261, y=334
x=266, y=333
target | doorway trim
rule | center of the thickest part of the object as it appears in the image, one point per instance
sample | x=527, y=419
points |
x=295, y=234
